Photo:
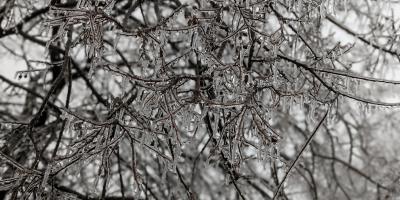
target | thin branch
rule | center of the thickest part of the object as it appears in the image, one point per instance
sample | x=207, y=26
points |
x=299, y=154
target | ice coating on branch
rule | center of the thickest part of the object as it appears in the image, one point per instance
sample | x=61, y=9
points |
x=46, y=175
x=223, y=76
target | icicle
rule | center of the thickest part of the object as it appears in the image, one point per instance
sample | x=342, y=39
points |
x=10, y=20
x=162, y=38
x=125, y=84
x=331, y=117
x=95, y=184
x=288, y=104
x=275, y=49
x=259, y=153
x=120, y=118
x=367, y=108
x=301, y=102
x=91, y=52
x=373, y=109
x=157, y=66
x=311, y=112
x=278, y=152
x=274, y=151
x=216, y=117
x=284, y=104
x=195, y=42
x=185, y=120
x=322, y=11
x=292, y=104
x=226, y=179
x=357, y=87
x=93, y=65
x=241, y=55
x=333, y=7
x=291, y=6
x=98, y=143
x=203, y=3
x=46, y=175
x=116, y=40
x=264, y=165
x=360, y=108
x=275, y=76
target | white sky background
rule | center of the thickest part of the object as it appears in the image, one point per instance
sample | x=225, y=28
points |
x=9, y=65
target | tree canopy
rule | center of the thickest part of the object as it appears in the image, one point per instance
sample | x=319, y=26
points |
x=199, y=99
